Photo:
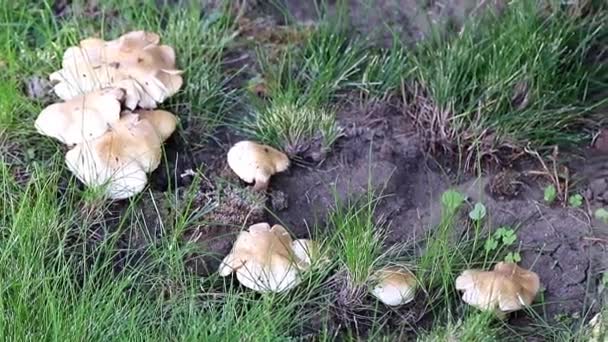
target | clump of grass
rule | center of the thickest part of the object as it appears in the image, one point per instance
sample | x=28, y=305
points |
x=294, y=128
x=385, y=72
x=357, y=240
x=509, y=79
x=300, y=86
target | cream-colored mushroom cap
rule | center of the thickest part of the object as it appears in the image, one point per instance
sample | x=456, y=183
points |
x=254, y=162
x=82, y=118
x=506, y=288
x=394, y=285
x=262, y=259
x=134, y=62
x=120, y=158
x=163, y=121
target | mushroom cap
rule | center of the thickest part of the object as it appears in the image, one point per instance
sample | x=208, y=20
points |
x=262, y=259
x=396, y=285
x=134, y=62
x=256, y=162
x=163, y=121
x=507, y=287
x=120, y=158
x=82, y=118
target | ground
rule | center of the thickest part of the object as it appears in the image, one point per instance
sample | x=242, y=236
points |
x=383, y=107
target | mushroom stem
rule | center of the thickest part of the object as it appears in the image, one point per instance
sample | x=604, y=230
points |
x=261, y=184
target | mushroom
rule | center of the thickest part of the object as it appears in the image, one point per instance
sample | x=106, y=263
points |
x=262, y=259
x=134, y=62
x=82, y=118
x=395, y=285
x=506, y=288
x=254, y=162
x=122, y=156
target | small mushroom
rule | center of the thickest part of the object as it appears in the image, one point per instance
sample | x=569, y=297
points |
x=262, y=259
x=506, y=288
x=395, y=285
x=254, y=162
x=134, y=62
x=82, y=118
x=121, y=157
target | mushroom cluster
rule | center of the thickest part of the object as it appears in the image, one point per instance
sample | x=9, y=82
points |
x=506, y=288
x=134, y=62
x=110, y=145
x=266, y=259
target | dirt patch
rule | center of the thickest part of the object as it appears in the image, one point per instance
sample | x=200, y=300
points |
x=381, y=20
x=379, y=152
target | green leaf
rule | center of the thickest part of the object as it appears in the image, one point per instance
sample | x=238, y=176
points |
x=575, y=201
x=500, y=232
x=513, y=257
x=605, y=278
x=550, y=193
x=478, y=212
x=452, y=200
x=601, y=214
x=490, y=245
x=509, y=237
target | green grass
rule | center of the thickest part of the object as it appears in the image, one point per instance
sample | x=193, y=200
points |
x=303, y=81
x=300, y=83
x=293, y=128
x=357, y=242
x=475, y=327
x=511, y=80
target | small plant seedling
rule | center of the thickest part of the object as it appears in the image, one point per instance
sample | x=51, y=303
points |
x=491, y=244
x=507, y=235
x=478, y=212
x=575, y=201
x=452, y=200
x=601, y=214
x=550, y=193
x=503, y=235
x=513, y=257
x=605, y=279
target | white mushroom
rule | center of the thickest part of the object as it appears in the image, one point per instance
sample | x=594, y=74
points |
x=120, y=158
x=254, y=162
x=134, y=62
x=82, y=118
x=394, y=285
x=506, y=288
x=262, y=259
